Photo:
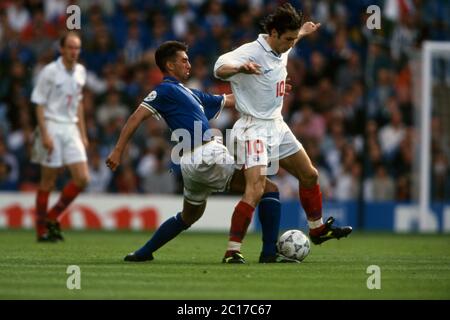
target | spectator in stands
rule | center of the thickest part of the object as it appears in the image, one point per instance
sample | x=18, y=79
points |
x=99, y=173
x=391, y=135
x=161, y=180
x=381, y=187
x=10, y=161
x=287, y=184
x=6, y=184
x=112, y=109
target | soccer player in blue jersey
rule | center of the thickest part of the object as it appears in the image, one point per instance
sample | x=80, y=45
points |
x=206, y=165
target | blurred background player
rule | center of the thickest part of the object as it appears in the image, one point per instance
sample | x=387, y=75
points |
x=206, y=165
x=61, y=134
x=257, y=73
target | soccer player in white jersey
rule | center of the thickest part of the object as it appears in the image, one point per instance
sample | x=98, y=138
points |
x=61, y=138
x=257, y=73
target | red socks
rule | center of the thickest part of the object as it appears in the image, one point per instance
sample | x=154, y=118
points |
x=242, y=216
x=311, y=199
x=69, y=193
x=41, y=212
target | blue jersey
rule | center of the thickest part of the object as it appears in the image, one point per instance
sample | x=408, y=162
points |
x=183, y=108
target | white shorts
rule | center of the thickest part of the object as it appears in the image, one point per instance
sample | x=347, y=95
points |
x=67, y=145
x=207, y=169
x=258, y=142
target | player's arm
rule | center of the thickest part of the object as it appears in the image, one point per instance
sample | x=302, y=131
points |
x=40, y=97
x=307, y=28
x=229, y=100
x=127, y=132
x=82, y=125
x=228, y=70
x=47, y=141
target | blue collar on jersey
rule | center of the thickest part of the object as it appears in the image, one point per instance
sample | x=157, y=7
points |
x=263, y=43
x=170, y=79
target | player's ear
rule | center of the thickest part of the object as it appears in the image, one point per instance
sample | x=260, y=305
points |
x=274, y=33
x=170, y=65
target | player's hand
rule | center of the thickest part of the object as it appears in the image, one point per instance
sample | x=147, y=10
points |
x=85, y=141
x=308, y=28
x=47, y=142
x=250, y=68
x=287, y=87
x=113, y=160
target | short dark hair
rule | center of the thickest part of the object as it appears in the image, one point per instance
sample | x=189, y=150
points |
x=167, y=51
x=62, y=40
x=283, y=19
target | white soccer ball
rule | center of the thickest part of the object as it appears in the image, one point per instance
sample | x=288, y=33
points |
x=294, y=244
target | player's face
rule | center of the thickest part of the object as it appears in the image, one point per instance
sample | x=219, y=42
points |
x=285, y=41
x=182, y=67
x=71, y=49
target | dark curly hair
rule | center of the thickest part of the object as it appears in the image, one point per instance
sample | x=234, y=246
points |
x=284, y=18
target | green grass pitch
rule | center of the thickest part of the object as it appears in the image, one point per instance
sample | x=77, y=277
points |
x=189, y=267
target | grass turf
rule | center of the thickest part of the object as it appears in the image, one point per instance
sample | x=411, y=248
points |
x=412, y=267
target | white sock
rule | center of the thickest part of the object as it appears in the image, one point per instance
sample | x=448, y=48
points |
x=315, y=224
x=234, y=246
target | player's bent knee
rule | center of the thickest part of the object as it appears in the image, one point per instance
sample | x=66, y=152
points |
x=254, y=191
x=190, y=218
x=47, y=186
x=311, y=178
x=83, y=182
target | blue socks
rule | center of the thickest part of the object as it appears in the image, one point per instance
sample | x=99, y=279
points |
x=166, y=232
x=269, y=212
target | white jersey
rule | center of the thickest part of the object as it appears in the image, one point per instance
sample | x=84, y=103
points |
x=260, y=96
x=60, y=91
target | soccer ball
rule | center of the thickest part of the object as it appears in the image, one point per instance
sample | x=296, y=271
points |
x=294, y=244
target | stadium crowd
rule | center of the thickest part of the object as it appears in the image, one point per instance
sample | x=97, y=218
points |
x=351, y=104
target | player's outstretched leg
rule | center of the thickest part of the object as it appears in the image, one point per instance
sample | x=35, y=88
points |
x=300, y=166
x=171, y=228
x=311, y=199
x=329, y=232
x=166, y=232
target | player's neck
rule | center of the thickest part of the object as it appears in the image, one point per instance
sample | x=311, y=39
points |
x=171, y=75
x=68, y=64
x=270, y=42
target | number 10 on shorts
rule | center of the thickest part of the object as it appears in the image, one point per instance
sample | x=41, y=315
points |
x=256, y=154
x=254, y=147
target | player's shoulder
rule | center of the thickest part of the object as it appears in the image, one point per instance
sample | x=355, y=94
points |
x=164, y=88
x=168, y=89
x=250, y=47
x=49, y=69
x=160, y=92
x=80, y=68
